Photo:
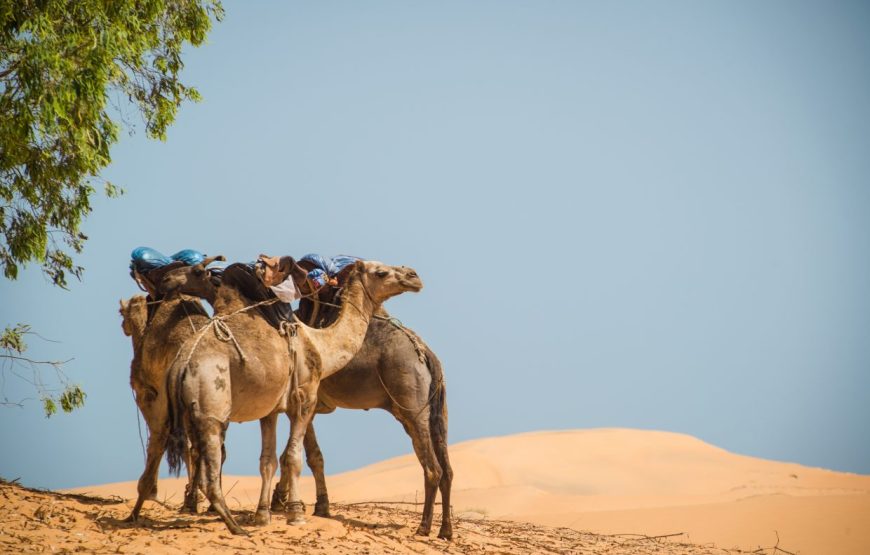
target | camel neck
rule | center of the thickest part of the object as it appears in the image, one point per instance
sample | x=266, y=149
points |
x=227, y=299
x=339, y=342
x=137, y=324
x=172, y=311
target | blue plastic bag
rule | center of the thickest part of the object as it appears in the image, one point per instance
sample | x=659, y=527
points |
x=189, y=256
x=144, y=259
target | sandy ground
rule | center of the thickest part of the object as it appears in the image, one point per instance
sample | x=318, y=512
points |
x=589, y=491
x=50, y=522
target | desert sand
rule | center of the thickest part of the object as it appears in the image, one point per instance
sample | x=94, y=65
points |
x=585, y=491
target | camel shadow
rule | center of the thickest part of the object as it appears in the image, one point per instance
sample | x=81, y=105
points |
x=86, y=499
x=191, y=521
x=357, y=523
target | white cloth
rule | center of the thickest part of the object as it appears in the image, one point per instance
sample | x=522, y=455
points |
x=286, y=290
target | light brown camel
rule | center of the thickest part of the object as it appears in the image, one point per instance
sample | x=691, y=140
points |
x=240, y=369
x=155, y=343
x=395, y=371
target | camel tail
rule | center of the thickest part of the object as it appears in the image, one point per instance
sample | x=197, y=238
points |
x=438, y=409
x=177, y=445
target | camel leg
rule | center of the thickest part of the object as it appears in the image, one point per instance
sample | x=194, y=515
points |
x=291, y=462
x=418, y=429
x=279, y=496
x=438, y=435
x=268, y=463
x=439, y=442
x=148, y=480
x=314, y=458
x=211, y=434
x=194, y=481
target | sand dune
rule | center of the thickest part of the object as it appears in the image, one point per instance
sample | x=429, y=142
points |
x=617, y=481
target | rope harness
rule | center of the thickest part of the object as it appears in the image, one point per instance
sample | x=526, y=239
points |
x=222, y=331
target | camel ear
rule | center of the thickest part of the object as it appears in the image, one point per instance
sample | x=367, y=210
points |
x=124, y=305
x=286, y=264
x=209, y=260
x=360, y=265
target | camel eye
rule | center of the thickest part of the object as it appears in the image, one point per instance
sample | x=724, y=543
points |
x=382, y=273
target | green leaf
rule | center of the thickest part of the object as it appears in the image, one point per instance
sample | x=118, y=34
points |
x=48, y=406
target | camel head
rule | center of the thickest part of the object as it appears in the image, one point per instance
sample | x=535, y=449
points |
x=194, y=280
x=134, y=315
x=382, y=281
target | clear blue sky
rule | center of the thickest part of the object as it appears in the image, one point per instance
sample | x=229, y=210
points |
x=650, y=215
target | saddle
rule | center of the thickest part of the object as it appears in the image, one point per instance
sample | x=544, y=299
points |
x=242, y=277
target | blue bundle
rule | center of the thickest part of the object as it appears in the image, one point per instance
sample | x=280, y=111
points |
x=320, y=262
x=331, y=266
x=342, y=261
x=189, y=256
x=145, y=259
x=318, y=276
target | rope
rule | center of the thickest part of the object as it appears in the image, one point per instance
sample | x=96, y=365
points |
x=415, y=341
x=290, y=330
x=398, y=404
x=223, y=332
x=139, y=423
x=184, y=306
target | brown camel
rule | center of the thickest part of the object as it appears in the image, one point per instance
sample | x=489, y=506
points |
x=156, y=341
x=394, y=371
x=240, y=368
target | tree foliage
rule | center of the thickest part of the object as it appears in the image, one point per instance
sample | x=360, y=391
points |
x=68, y=69
x=13, y=358
x=62, y=62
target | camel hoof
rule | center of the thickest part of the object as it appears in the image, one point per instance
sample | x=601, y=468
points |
x=132, y=518
x=239, y=531
x=321, y=507
x=446, y=533
x=422, y=531
x=262, y=518
x=278, y=502
x=295, y=513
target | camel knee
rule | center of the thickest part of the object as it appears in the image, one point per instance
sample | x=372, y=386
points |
x=314, y=458
x=447, y=475
x=268, y=461
x=433, y=474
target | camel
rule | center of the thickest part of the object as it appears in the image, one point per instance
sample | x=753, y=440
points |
x=394, y=371
x=240, y=368
x=156, y=340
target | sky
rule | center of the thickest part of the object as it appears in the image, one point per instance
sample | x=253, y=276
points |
x=632, y=214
